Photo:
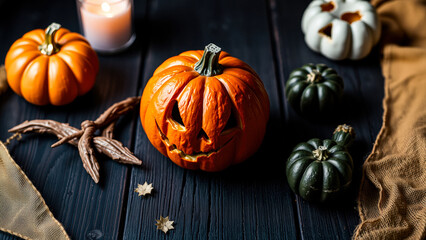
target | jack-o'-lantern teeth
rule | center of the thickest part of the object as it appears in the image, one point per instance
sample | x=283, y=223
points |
x=191, y=157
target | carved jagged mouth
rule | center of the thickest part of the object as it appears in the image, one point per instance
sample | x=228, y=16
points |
x=191, y=157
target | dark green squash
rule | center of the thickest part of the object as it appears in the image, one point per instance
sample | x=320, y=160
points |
x=318, y=170
x=344, y=135
x=314, y=89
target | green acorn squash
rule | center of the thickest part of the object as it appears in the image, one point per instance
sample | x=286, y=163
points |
x=318, y=170
x=313, y=89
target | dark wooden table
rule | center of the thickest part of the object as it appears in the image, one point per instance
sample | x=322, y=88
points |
x=248, y=201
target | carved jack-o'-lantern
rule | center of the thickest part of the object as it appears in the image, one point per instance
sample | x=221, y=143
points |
x=341, y=29
x=205, y=109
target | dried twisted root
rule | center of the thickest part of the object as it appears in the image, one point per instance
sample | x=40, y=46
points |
x=85, y=140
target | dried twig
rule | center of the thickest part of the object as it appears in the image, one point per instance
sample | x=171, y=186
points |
x=108, y=132
x=85, y=140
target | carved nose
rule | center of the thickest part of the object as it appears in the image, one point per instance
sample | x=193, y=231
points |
x=203, y=134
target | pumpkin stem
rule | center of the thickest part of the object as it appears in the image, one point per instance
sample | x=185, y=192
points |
x=321, y=153
x=314, y=76
x=209, y=64
x=344, y=135
x=49, y=46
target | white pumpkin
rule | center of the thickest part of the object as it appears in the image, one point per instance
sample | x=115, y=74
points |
x=341, y=29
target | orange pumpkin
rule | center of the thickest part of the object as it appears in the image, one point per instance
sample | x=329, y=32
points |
x=52, y=67
x=205, y=110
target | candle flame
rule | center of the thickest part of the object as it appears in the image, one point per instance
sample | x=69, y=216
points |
x=105, y=7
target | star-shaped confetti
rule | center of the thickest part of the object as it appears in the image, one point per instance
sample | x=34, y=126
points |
x=144, y=189
x=164, y=224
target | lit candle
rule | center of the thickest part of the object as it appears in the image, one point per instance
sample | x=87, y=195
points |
x=107, y=24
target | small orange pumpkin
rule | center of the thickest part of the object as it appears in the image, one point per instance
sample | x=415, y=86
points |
x=205, y=110
x=52, y=67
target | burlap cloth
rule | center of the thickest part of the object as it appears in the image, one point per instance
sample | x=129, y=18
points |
x=392, y=197
x=23, y=211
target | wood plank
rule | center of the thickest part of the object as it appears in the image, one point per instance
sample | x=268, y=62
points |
x=87, y=210
x=250, y=200
x=361, y=108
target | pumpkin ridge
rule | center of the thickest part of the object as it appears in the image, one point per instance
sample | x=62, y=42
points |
x=298, y=156
x=311, y=177
x=265, y=112
x=13, y=53
x=224, y=54
x=190, y=102
x=315, y=143
x=336, y=148
x=71, y=38
x=295, y=171
x=40, y=62
x=24, y=42
x=304, y=147
x=330, y=182
x=177, y=91
x=346, y=159
x=344, y=176
x=248, y=116
x=20, y=71
x=195, y=54
x=224, y=107
x=294, y=80
x=229, y=62
x=69, y=51
x=36, y=35
x=225, y=80
x=175, y=61
x=326, y=95
x=224, y=86
x=154, y=87
x=309, y=98
x=258, y=83
x=10, y=63
x=60, y=33
x=332, y=88
x=299, y=72
x=83, y=49
x=294, y=93
x=341, y=155
x=170, y=78
x=81, y=85
x=72, y=83
x=183, y=80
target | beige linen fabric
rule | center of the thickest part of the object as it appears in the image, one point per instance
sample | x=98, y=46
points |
x=23, y=211
x=392, y=197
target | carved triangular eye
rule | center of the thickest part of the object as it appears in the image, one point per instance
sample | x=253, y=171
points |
x=203, y=134
x=176, y=114
x=232, y=122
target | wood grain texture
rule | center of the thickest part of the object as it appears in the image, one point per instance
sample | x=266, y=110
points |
x=361, y=108
x=250, y=200
x=87, y=210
